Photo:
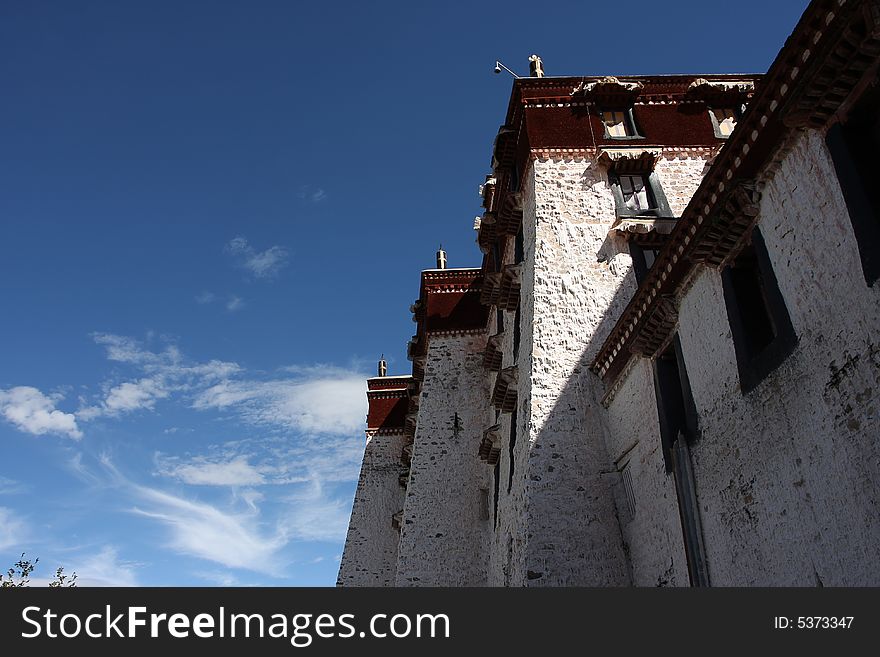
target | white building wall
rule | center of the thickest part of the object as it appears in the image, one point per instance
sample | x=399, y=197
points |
x=680, y=173
x=369, y=557
x=652, y=530
x=786, y=475
x=575, y=283
x=447, y=512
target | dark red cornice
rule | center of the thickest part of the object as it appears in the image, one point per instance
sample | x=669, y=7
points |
x=388, y=399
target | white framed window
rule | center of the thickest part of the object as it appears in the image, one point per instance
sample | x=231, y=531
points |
x=636, y=192
x=616, y=124
x=724, y=121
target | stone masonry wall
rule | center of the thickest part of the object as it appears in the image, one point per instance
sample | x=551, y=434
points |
x=680, y=174
x=447, y=511
x=369, y=557
x=574, y=279
x=652, y=529
x=786, y=475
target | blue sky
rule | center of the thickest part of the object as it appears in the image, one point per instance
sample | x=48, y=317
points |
x=212, y=218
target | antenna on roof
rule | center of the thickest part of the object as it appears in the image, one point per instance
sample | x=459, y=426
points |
x=441, y=258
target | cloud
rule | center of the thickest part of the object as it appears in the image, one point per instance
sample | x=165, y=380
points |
x=331, y=403
x=205, y=297
x=13, y=530
x=234, y=540
x=166, y=372
x=315, y=516
x=104, y=569
x=12, y=487
x=33, y=412
x=234, y=303
x=204, y=472
x=312, y=194
x=262, y=264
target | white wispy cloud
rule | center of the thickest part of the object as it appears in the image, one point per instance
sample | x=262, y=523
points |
x=234, y=304
x=13, y=530
x=205, y=297
x=333, y=403
x=33, y=412
x=164, y=372
x=312, y=194
x=202, y=471
x=12, y=487
x=104, y=569
x=316, y=516
x=262, y=264
x=201, y=530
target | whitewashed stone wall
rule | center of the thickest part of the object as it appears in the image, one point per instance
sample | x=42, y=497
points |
x=786, y=475
x=369, y=557
x=447, y=512
x=576, y=280
x=680, y=173
x=652, y=532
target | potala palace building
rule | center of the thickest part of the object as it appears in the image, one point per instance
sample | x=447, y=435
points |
x=666, y=371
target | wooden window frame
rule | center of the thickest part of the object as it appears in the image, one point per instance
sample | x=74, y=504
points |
x=854, y=155
x=755, y=365
x=654, y=190
x=629, y=124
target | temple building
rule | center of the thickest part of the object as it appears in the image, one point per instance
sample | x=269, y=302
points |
x=666, y=370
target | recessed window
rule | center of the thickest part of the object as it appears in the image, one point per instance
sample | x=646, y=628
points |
x=854, y=145
x=616, y=124
x=724, y=121
x=763, y=335
x=619, y=124
x=643, y=259
x=675, y=405
x=639, y=194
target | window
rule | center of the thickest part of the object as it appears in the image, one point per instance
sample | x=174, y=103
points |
x=619, y=124
x=763, y=335
x=511, y=445
x=724, y=121
x=854, y=146
x=639, y=195
x=642, y=259
x=519, y=246
x=676, y=411
x=516, y=336
x=678, y=428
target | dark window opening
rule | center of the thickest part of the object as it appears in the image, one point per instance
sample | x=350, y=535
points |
x=516, y=336
x=499, y=320
x=496, y=256
x=678, y=429
x=495, y=501
x=513, y=179
x=511, y=445
x=763, y=335
x=676, y=411
x=519, y=247
x=643, y=259
x=854, y=147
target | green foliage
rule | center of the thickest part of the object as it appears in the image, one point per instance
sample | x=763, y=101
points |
x=19, y=575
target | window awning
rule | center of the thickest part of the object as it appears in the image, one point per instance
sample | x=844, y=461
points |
x=644, y=225
x=630, y=160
